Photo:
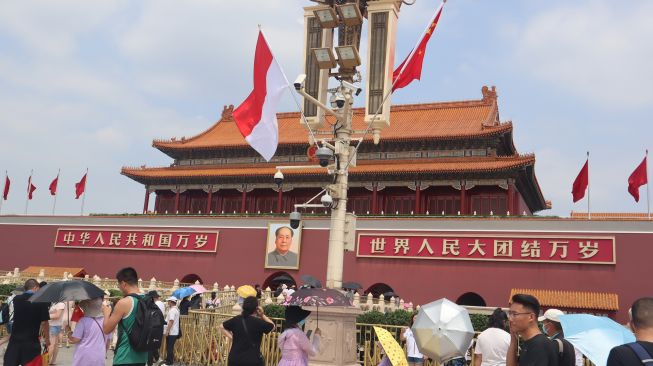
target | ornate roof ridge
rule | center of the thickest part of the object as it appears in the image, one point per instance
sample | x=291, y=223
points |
x=489, y=98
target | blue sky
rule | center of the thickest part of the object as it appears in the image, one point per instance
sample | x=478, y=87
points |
x=91, y=84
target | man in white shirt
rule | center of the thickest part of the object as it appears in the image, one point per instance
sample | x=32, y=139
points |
x=157, y=300
x=171, y=330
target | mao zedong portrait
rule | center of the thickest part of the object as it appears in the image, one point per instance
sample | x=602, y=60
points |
x=282, y=256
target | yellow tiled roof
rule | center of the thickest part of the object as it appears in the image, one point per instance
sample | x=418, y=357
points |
x=572, y=299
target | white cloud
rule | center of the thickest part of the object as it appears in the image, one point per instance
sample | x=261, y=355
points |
x=597, y=50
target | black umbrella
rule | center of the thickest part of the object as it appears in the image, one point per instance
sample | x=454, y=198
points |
x=311, y=281
x=390, y=294
x=351, y=285
x=284, y=278
x=75, y=290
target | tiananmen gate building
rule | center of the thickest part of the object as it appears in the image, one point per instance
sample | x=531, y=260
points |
x=445, y=208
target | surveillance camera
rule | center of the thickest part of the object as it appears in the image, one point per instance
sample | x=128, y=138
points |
x=299, y=82
x=354, y=89
x=278, y=177
x=295, y=219
x=326, y=200
x=340, y=100
x=324, y=154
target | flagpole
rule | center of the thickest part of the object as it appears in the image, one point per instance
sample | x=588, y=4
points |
x=84, y=197
x=29, y=187
x=648, y=199
x=589, y=214
x=55, y=192
x=3, y=191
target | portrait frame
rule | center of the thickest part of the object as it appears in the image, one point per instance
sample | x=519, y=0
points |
x=271, y=253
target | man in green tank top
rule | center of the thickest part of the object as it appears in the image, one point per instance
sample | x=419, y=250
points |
x=123, y=317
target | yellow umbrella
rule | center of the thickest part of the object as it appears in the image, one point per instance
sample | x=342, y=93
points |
x=246, y=291
x=392, y=349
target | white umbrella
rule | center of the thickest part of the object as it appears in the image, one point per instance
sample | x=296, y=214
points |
x=443, y=330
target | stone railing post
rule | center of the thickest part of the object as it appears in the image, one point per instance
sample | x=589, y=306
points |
x=410, y=306
x=280, y=299
x=96, y=280
x=152, y=284
x=16, y=272
x=41, y=276
x=175, y=285
x=65, y=276
x=401, y=304
x=357, y=300
x=87, y=278
x=370, y=302
x=70, y=276
x=268, y=296
x=393, y=304
x=382, y=303
x=216, y=287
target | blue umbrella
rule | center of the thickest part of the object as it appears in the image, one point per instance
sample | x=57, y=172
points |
x=594, y=336
x=180, y=293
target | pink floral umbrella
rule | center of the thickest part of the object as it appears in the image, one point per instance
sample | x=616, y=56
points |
x=317, y=297
x=198, y=288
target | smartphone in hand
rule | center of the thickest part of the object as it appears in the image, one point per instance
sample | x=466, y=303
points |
x=309, y=332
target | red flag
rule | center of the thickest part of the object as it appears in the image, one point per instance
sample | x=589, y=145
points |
x=30, y=188
x=5, y=194
x=637, y=179
x=581, y=182
x=80, y=187
x=53, y=186
x=256, y=117
x=413, y=63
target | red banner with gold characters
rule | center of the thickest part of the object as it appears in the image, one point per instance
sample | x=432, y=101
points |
x=188, y=241
x=489, y=247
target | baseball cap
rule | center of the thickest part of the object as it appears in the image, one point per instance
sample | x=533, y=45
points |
x=172, y=298
x=552, y=315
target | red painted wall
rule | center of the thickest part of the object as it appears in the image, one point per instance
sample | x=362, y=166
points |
x=240, y=258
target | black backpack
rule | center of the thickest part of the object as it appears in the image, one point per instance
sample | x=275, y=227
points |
x=4, y=314
x=147, y=331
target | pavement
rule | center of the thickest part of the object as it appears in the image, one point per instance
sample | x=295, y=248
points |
x=64, y=357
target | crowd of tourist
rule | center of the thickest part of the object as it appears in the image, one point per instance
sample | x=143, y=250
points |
x=514, y=338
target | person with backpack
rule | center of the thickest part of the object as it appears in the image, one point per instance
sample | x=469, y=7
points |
x=569, y=356
x=641, y=351
x=7, y=313
x=138, y=319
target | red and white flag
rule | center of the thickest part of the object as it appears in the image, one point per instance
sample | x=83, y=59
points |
x=411, y=68
x=5, y=192
x=30, y=188
x=581, y=182
x=638, y=178
x=256, y=117
x=53, y=186
x=80, y=187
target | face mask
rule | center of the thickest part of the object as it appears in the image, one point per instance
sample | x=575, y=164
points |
x=544, y=330
x=301, y=322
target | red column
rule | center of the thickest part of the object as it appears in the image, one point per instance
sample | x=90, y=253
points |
x=417, y=199
x=177, y=201
x=374, y=198
x=511, y=199
x=147, y=199
x=280, y=200
x=463, y=199
x=156, y=202
x=209, y=199
x=243, y=202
